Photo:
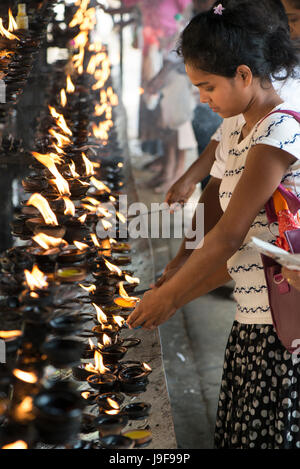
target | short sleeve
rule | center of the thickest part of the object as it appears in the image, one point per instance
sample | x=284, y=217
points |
x=281, y=131
x=217, y=136
x=218, y=168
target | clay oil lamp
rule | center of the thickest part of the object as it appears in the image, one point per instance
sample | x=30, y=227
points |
x=105, y=326
x=125, y=301
x=89, y=350
x=25, y=383
x=73, y=254
x=34, y=184
x=130, y=283
x=88, y=424
x=63, y=353
x=12, y=340
x=49, y=224
x=46, y=250
x=141, y=438
x=121, y=247
x=133, y=378
x=102, y=380
x=111, y=353
x=58, y=415
x=67, y=324
x=137, y=410
x=89, y=397
x=116, y=442
x=109, y=401
x=38, y=292
x=111, y=424
x=102, y=294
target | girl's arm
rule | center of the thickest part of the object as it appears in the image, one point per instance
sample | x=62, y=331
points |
x=263, y=172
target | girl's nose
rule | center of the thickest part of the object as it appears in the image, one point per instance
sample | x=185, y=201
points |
x=203, y=97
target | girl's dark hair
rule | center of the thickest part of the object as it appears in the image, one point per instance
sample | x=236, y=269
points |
x=249, y=32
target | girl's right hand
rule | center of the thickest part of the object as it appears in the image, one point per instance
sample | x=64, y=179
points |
x=181, y=191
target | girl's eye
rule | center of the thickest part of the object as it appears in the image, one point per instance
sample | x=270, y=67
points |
x=210, y=89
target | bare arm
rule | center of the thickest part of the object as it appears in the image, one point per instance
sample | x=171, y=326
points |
x=182, y=190
x=263, y=173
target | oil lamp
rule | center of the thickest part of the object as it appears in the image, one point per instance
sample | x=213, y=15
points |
x=63, y=353
x=110, y=424
x=103, y=381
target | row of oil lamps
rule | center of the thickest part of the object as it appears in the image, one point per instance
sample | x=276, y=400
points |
x=43, y=314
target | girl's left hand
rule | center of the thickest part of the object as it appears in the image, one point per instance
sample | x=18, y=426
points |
x=292, y=276
x=154, y=309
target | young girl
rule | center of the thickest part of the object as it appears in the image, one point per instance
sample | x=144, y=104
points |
x=231, y=54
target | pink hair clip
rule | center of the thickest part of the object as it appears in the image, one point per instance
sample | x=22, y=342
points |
x=218, y=10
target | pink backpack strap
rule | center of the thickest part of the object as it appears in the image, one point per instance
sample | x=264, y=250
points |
x=292, y=200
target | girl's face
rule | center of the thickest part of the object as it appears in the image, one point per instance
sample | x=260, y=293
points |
x=293, y=15
x=227, y=97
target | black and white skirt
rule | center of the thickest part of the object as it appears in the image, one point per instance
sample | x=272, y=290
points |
x=259, y=403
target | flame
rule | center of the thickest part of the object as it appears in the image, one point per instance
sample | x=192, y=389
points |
x=120, y=165
x=119, y=320
x=91, y=200
x=73, y=170
x=70, y=85
x=60, y=120
x=62, y=140
x=112, y=198
x=99, y=363
x=36, y=279
x=94, y=62
x=106, y=224
x=82, y=218
x=96, y=46
x=112, y=241
x=100, y=109
x=121, y=217
x=91, y=288
x=92, y=346
x=147, y=367
x=81, y=40
x=4, y=32
x=47, y=159
x=101, y=132
x=113, y=403
x=99, y=367
x=85, y=395
x=5, y=54
x=59, y=181
x=80, y=246
x=78, y=60
x=58, y=150
x=39, y=202
x=63, y=98
x=113, y=268
x=132, y=280
x=23, y=409
x=95, y=240
x=69, y=207
x=106, y=340
x=12, y=25
x=30, y=378
x=90, y=208
x=113, y=97
x=112, y=412
x=101, y=316
x=104, y=211
x=99, y=185
x=16, y=445
x=89, y=20
x=125, y=300
x=88, y=165
x=47, y=242
x=141, y=91
x=10, y=334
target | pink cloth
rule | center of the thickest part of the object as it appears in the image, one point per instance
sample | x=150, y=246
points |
x=159, y=15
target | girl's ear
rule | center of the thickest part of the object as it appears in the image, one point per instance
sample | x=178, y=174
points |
x=244, y=73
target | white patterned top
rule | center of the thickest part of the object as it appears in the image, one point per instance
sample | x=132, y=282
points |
x=245, y=267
